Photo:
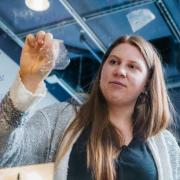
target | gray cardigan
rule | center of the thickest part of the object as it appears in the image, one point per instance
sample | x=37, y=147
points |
x=36, y=139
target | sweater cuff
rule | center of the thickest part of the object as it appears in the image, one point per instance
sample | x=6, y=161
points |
x=22, y=98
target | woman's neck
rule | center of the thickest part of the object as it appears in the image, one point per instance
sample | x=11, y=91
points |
x=121, y=114
x=121, y=118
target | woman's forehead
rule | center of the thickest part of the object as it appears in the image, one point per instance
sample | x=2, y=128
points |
x=126, y=51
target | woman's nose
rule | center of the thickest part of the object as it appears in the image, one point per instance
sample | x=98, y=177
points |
x=120, y=71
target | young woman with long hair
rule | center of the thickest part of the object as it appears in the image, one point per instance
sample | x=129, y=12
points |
x=118, y=133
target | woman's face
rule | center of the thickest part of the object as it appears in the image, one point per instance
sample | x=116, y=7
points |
x=124, y=75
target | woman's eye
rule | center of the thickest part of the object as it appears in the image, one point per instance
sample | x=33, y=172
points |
x=112, y=61
x=132, y=66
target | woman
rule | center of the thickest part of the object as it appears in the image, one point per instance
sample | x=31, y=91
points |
x=118, y=133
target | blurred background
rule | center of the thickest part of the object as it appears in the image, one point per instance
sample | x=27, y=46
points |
x=87, y=28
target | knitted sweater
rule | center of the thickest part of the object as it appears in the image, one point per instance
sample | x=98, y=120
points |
x=35, y=140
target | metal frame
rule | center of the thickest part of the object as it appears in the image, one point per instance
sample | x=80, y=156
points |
x=88, y=46
x=83, y=25
x=10, y=33
x=168, y=19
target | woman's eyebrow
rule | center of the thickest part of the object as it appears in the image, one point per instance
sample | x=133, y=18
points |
x=130, y=60
x=114, y=56
x=135, y=62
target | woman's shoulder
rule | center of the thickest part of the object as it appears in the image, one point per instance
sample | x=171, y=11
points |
x=58, y=109
x=55, y=107
x=58, y=114
x=167, y=138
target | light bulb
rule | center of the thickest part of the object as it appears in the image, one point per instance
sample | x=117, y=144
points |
x=37, y=5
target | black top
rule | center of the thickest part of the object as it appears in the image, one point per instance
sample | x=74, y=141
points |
x=134, y=162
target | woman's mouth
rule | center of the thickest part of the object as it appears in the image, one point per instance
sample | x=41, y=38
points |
x=118, y=83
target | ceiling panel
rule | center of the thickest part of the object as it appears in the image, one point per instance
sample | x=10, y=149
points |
x=20, y=18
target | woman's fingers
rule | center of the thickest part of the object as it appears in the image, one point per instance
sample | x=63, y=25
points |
x=40, y=37
x=30, y=40
x=48, y=37
x=46, y=51
x=40, y=49
x=48, y=41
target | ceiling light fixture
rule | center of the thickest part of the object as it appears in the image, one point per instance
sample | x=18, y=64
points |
x=37, y=5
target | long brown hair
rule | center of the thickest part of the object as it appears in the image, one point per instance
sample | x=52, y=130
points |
x=151, y=115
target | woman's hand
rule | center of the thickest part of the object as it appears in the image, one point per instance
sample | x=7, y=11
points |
x=37, y=59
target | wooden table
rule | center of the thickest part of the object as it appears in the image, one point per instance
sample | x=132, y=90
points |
x=32, y=172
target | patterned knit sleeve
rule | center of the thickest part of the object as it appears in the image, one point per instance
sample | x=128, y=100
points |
x=9, y=115
x=16, y=103
x=174, y=154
